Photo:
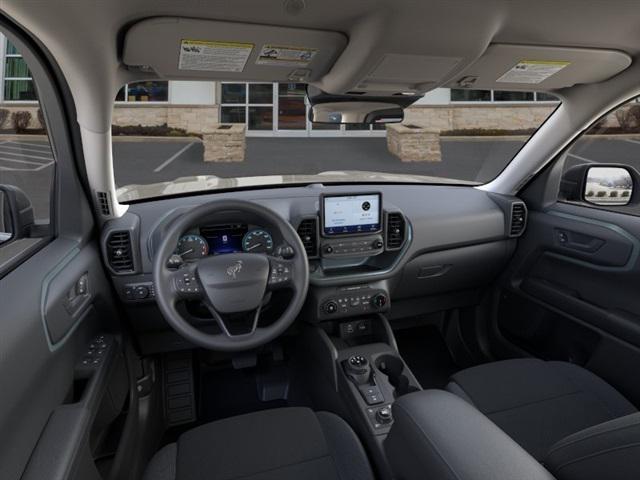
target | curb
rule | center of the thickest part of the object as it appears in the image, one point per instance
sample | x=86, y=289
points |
x=143, y=138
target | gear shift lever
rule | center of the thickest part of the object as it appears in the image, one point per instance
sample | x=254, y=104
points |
x=358, y=369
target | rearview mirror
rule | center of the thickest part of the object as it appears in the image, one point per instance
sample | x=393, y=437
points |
x=357, y=109
x=356, y=112
x=608, y=186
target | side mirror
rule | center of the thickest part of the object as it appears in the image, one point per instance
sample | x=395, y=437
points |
x=16, y=214
x=600, y=184
x=357, y=109
x=608, y=186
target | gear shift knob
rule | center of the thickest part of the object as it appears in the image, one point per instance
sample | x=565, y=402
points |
x=358, y=368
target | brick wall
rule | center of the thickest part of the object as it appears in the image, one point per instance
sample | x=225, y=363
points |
x=204, y=118
x=462, y=117
x=193, y=118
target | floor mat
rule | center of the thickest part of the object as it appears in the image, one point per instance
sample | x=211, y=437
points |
x=228, y=392
x=426, y=353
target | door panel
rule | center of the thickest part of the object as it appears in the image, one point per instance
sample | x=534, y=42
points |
x=38, y=374
x=572, y=291
x=59, y=395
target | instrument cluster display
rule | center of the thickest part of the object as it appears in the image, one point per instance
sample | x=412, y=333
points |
x=221, y=239
x=224, y=238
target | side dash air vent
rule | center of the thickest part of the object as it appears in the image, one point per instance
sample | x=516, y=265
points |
x=395, y=230
x=103, y=203
x=308, y=232
x=518, y=221
x=119, y=252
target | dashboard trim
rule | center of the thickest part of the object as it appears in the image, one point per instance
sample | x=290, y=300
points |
x=367, y=276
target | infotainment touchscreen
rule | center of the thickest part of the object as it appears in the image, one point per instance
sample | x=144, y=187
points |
x=351, y=214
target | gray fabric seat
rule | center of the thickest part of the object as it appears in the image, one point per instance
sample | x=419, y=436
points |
x=285, y=443
x=538, y=403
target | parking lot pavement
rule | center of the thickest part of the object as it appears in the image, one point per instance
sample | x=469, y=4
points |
x=140, y=162
x=466, y=159
x=28, y=164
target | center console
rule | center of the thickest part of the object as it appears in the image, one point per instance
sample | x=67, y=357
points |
x=366, y=374
x=372, y=377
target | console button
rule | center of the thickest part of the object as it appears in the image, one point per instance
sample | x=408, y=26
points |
x=372, y=395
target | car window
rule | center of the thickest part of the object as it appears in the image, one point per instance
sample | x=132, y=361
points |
x=604, y=160
x=171, y=137
x=27, y=165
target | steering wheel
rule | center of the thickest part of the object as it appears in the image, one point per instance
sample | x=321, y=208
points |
x=231, y=283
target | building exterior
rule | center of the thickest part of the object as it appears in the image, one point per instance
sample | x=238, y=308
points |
x=275, y=109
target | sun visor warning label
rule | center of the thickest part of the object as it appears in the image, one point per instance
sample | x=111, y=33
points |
x=285, y=56
x=532, y=71
x=214, y=56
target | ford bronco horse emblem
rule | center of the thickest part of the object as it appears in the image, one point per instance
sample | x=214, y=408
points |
x=234, y=270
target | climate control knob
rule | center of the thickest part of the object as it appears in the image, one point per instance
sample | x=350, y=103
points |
x=331, y=307
x=379, y=300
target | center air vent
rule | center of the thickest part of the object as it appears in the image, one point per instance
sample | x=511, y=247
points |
x=395, y=230
x=308, y=232
x=518, y=219
x=119, y=251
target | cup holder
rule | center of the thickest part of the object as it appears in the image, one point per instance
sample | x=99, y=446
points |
x=393, y=367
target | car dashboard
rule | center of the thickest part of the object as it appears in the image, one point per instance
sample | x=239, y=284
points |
x=422, y=249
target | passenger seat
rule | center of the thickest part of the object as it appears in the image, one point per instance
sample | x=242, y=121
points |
x=538, y=403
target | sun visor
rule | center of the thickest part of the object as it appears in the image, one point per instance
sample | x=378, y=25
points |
x=525, y=67
x=180, y=48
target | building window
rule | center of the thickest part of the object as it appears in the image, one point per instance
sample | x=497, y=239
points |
x=151, y=91
x=506, y=96
x=546, y=97
x=465, y=95
x=292, y=108
x=18, y=84
x=250, y=103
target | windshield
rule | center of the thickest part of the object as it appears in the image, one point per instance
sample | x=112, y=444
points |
x=178, y=136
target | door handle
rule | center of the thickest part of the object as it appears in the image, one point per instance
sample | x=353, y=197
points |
x=78, y=295
x=578, y=241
